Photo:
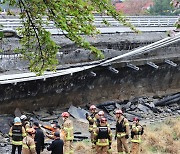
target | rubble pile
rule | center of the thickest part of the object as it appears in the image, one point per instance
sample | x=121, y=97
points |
x=147, y=109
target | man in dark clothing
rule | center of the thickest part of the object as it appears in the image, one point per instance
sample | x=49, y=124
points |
x=39, y=138
x=57, y=145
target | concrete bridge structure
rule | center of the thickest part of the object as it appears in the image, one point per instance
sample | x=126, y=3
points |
x=145, y=64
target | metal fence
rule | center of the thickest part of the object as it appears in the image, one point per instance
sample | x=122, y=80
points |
x=138, y=21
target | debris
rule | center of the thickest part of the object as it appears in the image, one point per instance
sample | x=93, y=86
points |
x=168, y=100
x=5, y=123
x=143, y=108
x=48, y=118
x=78, y=113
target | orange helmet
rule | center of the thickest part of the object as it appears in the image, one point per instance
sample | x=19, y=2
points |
x=119, y=112
x=135, y=119
x=65, y=114
x=103, y=120
x=31, y=130
x=101, y=113
x=92, y=107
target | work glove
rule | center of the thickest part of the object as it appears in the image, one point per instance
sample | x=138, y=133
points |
x=126, y=136
x=115, y=137
x=109, y=145
x=87, y=115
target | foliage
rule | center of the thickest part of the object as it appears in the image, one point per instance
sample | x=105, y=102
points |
x=73, y=17
x=176, y=5
x=163, y=7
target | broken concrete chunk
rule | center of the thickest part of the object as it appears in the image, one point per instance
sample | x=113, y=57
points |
x=143, y=108
x=78, y=113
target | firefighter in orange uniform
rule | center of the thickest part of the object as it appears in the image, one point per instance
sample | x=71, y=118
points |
x=67, y=128
x=136, y=132
x=122, y=132
x=103, y=137
x=28, y=146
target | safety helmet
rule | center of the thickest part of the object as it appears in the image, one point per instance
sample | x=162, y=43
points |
x=65, y=114
x=135, y=119
x=119, y=112
x=101, y=113
x=17, y=120
x=23, y=117
x=92, y=107
x=31, y=130
x=103, y=120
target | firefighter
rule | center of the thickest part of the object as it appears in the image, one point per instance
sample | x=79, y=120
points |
x=25, y=122
x=99, y=116
x=136, y=132
x=67, y=128
x=28, y=146
x=103, y=137
x=122, y=132
x=92, y=119
x=17, y=132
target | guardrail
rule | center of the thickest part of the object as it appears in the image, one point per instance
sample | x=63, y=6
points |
x=140, y=21
x=137, y=21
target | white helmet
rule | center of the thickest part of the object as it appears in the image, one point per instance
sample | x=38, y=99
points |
x=23, y=117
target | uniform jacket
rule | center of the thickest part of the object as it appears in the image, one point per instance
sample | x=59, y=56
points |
x=122, y=127
x=103, y=136
x=28, y=146
x=137, y=132
x=17, y=132
x=68, y=130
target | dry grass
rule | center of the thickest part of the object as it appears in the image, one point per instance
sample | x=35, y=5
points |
x=161, y=138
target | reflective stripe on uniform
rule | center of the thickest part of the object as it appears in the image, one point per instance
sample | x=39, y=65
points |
x=126, y=124
x=68, y=130
x=90, y=128
x=136, y=141
x=16, y=142
x=95, y=134
x=121, y=134
x=99, y=143
x=23, y=134
x=110, y=151
x=70, y=152
x=94, y=126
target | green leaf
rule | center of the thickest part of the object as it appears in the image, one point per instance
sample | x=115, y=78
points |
x=1, y=34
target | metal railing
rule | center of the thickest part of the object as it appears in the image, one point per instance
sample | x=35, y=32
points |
x=138, y=21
